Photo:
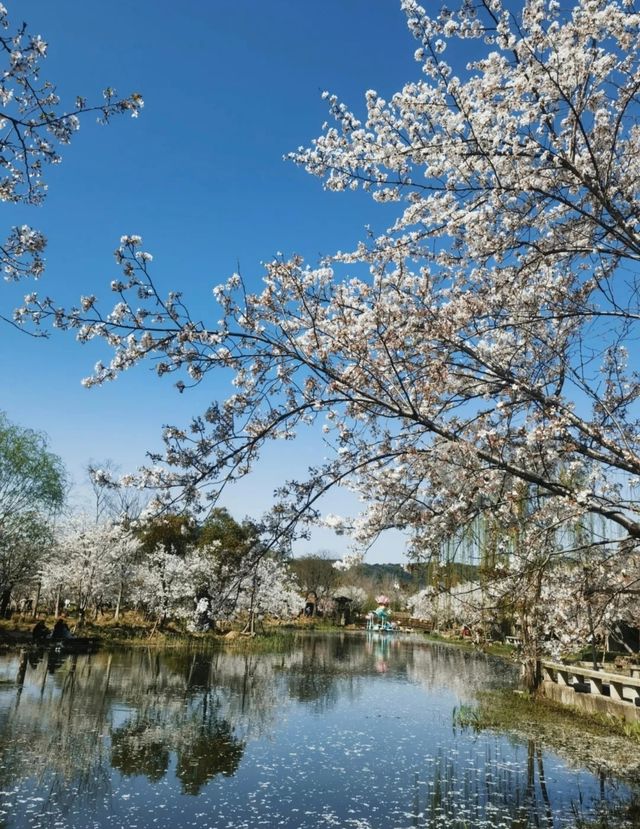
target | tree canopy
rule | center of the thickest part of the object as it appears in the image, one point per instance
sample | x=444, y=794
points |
x=32, y=478
x=32, y=490
x=474, y=351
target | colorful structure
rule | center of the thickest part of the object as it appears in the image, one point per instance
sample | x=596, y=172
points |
x=380, y=618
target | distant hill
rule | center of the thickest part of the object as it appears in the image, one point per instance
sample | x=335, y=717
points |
x=418, y=576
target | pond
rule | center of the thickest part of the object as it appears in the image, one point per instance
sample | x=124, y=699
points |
x=352, y=731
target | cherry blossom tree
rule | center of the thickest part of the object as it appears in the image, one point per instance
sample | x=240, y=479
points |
x=33, y=127
x=488, y=327
x=166, y=584
x=201, y=587
x=92, y=565
x=269, y=590
x=561, y=583
x=199, y=573
x=235, y=553
x=476, y=346
x=587, y=595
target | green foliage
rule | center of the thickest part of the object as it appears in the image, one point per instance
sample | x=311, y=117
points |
x=233, y=547
x=234, y=539
x=315, y=574
x=32, y=489
x=173, y=533
x=134, y=753
x=215, y=750
x=32, y=479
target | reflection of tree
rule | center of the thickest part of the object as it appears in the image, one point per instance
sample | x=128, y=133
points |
x=200, y=705
x=178, y=703
x=134, y=752
x=191, y=724
x=316, y=687
x=215, y=750
x=50, y=729
x=498, y=789
x=494, y=793
x=143, y=747
x=461, y=671
x=325, y=669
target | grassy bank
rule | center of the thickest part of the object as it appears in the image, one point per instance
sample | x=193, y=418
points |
x=17, y=633
x=132, y=630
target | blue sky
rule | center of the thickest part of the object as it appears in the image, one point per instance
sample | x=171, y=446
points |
x=229, y=88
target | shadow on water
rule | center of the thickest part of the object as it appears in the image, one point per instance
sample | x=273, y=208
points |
x=308, y=736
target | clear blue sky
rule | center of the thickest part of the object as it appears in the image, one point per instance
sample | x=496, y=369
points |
x=229, y=87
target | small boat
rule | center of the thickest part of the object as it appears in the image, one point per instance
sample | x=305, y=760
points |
x=61, y=639
x=76, y=644
x=71, y=644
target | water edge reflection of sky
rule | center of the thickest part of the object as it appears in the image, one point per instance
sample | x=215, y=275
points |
x=339, y=731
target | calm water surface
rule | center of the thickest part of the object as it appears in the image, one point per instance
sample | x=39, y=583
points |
x=341, y=731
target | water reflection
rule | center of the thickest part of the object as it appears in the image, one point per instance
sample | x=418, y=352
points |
x=493, y=792
x=344, y=731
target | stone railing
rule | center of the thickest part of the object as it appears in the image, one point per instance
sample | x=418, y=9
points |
x=617, y=687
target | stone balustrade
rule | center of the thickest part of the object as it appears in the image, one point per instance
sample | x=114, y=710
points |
x=615, y=686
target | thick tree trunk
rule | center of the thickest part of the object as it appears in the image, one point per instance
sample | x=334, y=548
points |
x=530, y=635
x=530, y=673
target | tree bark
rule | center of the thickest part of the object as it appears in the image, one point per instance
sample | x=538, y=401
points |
x=530, y=634
x=36, y=601
x=116, y=615
x=530, y=672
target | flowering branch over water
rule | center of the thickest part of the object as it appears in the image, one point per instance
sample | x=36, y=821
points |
x=481, y=341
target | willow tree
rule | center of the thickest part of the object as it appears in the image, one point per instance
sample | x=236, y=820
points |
x=32, y=491
x=478, y=343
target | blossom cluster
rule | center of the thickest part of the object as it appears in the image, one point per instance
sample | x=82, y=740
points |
x=33, y=127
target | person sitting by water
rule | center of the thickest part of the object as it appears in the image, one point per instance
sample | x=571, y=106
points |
x=61, y=630
x=40, y=631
